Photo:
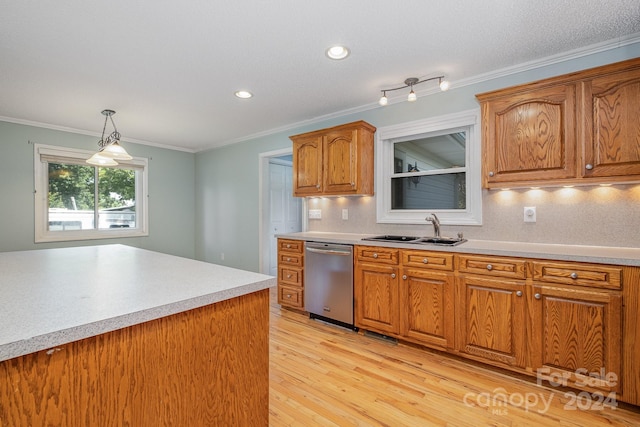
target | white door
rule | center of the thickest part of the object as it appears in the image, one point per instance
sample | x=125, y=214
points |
x=285, y=211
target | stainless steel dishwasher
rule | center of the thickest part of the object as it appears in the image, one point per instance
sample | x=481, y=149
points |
x=328, y=282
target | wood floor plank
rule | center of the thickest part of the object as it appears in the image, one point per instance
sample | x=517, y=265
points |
x=324, y=375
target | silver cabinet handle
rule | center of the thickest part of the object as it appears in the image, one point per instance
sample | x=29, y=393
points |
x=489, y=267
x=375, y=256
x=491, y=173
x=288, y=259
x=288, y=246
x=317, y=185
x=425, y=261
x=574, y=275
x=588, y=166
x=328, y=251
x=288, y=276
x=519, y=293
x=404, y=277
x=537, y=296
x=288, y=295
x=393, y=275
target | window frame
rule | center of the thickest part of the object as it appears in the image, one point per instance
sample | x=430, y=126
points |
x=43, y=154
x=468, y=120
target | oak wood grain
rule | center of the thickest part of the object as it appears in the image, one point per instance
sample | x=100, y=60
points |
x=203, y=367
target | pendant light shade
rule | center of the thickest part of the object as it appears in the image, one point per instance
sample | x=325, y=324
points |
x=99, y=160
x=110, y=149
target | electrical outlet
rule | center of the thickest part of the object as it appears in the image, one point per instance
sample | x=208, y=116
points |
x=315, y=214
x=345, y=213
x=530, y=214
x=222, y=256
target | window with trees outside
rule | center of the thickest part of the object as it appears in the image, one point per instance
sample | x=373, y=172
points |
x=430, y=166
x=78, y=201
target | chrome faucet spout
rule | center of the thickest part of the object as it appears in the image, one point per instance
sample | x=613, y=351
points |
x=436, y=224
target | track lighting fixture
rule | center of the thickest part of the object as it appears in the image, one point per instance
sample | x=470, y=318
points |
x=410, y=82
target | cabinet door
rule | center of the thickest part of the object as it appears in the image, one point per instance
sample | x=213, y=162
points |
x=376, y=298
x=576, y=336
x=530, y=136
x=611, y=125
x=307, y=166
x=340, y=161
x=427, y=315
x=492, y=319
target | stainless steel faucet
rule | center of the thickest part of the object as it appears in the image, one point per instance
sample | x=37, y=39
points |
x=436, y=224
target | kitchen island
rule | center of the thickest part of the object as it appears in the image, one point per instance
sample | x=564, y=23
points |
x=115, y=335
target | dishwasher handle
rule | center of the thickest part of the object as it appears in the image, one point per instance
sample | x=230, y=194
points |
x=328, y=251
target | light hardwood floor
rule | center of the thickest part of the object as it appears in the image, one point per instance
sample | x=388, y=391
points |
x=324, y=375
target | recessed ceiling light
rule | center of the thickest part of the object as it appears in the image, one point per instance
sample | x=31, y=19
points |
x=243, y=94
x=337, y=52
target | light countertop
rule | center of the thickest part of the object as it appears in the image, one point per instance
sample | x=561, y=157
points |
x=51, y=297
x=592, y=254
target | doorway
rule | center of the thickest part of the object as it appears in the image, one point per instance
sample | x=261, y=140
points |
x=280, y=212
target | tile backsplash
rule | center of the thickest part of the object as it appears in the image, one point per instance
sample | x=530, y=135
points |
x=593, y=215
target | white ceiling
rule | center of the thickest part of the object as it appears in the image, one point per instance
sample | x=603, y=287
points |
x=170, y=68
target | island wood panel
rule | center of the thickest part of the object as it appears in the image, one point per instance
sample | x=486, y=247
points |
x=204, y=367
x=631, y=335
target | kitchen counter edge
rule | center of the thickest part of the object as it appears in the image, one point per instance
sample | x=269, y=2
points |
x=236, y=284
x=558, y=252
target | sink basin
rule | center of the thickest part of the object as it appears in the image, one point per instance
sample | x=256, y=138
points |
x=388, y=238
x=446, y=241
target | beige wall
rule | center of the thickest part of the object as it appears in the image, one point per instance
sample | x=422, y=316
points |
x=591, y=215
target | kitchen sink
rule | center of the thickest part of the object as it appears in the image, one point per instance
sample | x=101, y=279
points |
x=443, y=241
x=388, y=238
x=446, y=241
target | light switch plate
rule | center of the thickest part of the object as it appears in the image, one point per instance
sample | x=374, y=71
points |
x=345, y=213
x=530, y=214
x=315, y=214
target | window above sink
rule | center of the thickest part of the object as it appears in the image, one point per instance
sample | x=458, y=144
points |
x=430, y=165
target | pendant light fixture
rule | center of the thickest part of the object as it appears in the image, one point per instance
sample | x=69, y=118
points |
x=410, y=82
x=109, y=148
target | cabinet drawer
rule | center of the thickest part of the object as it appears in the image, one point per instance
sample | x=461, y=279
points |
x=290, y=246
x=493, y=266
x=290, y=275
x=290, y=296
x=377, y=254
x=431, y=260
x=599, y=276
x=289, y=258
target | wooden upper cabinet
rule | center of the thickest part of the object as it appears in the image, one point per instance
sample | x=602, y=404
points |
x=579, y=128
x=612, y=125
x=340, y=161
x=307, y=170
x=334, y=161
x=530, y=136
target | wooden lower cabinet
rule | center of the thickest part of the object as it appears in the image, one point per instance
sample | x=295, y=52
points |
x=576, y=336
x=376, y=297
x=427, y=300
x=491, y=316
x=291, y=273
x=406, y=294
x=573, y=324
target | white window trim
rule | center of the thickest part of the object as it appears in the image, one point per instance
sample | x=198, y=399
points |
x=41, y=181
x=386, y=136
